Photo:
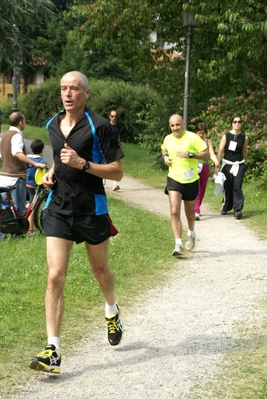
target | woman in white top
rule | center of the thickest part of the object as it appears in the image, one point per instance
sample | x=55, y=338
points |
x=234, y=147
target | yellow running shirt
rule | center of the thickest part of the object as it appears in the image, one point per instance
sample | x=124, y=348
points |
x=183, y=170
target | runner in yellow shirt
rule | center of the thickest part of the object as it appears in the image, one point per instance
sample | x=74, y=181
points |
x=181, y=151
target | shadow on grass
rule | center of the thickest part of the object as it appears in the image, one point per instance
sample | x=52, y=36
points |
x=252, y=213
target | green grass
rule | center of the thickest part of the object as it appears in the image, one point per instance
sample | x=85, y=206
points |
x=23, y=280
x=244, y=369
x=137, y=163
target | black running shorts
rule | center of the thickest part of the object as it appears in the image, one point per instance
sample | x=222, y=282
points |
x=92, y=229
x=189, y=191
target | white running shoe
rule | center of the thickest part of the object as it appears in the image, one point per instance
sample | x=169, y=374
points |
x=178, y=250
x=190, y=243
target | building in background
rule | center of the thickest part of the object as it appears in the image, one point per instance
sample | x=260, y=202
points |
x=6, y=84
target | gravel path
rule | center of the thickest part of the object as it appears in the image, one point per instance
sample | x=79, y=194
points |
x=177, y=334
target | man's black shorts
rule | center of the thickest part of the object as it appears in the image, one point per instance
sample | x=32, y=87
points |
x=189, y=191
x=92, y=229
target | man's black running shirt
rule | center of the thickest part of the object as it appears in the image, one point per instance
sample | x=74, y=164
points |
x=77, y=192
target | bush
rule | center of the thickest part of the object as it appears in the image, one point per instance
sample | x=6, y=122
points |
x=252, y=108
x=40, y=104
x=153, y=123
x=6, y=108
x=129, y=100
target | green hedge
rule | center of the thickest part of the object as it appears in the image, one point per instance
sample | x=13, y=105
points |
x=129, y=100
x=252, y=108
x=40, y=104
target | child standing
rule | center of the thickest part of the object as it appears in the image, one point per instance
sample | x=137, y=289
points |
x=37, y=147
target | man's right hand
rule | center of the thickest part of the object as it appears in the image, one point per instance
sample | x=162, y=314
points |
x=167, y=161
x=49, y=179
x=40, y=165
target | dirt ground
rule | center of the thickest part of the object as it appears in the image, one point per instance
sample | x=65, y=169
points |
x=176, y=335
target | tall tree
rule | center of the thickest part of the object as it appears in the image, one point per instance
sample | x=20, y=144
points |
x=17, y=18
x=229, y=45
x=240, y=32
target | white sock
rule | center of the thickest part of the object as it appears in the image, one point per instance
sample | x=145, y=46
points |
x=191, y=233
x=178, y=241
x=54, y=341
x=110, y=311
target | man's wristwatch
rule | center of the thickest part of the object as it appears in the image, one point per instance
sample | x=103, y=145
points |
x=191, y=155
x=86, y=166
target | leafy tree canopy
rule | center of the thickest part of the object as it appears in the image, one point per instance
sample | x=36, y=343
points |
x=18, y=22
x=241, y=36
x=229, y=34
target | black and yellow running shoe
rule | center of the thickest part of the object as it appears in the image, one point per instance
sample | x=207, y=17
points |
x=115, y=331
x=48, y=360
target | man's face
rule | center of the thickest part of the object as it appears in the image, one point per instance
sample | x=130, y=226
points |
x=72, y=94
x=176, y=124
x=113, y=116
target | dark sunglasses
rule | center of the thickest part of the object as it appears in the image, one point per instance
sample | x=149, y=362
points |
x=237, y=121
